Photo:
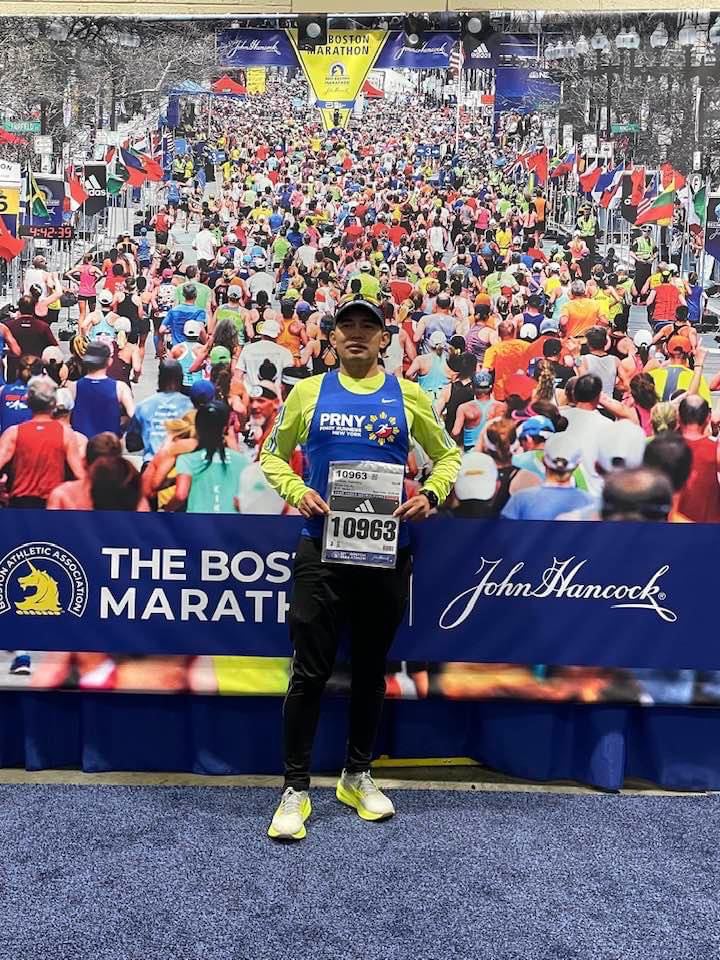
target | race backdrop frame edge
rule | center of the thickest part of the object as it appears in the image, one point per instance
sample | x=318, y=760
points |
x=233, y=8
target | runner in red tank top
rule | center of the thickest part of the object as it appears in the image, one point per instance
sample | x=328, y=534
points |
x=700, y=497
x=39, y=449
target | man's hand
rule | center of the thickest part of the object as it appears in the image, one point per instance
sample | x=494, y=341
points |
x=313, y=505
x=416, y=508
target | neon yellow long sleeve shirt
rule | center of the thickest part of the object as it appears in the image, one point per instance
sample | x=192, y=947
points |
x=293, y=425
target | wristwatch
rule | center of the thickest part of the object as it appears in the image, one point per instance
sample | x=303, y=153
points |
x=432, y=498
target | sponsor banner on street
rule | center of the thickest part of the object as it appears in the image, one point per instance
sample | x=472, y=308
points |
x=94, y=181
x=524, y=89
x=255, y=80
x=247, y=48
x=712, y=226
x=596, y=594
x=10, y=173
x=433, y=52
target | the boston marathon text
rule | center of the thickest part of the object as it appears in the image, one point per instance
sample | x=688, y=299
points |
x=243, y=586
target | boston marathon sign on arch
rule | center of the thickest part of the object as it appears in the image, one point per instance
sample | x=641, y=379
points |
x=614, y=595
x=337, y=69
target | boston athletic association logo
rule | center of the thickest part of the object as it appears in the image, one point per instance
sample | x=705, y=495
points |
x=44, y=580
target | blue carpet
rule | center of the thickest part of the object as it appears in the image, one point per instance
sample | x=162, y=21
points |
x=135, y=873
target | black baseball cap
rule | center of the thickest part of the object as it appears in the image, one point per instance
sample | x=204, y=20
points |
x=371, y=310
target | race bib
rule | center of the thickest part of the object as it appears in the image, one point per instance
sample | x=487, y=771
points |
x=361, y=529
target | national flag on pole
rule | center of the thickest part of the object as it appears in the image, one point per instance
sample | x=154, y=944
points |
x=607, y=185
x=566, y=165
x=10, y=246
x=633, y=188
x=518, y=164
x=538, y=163
x=699, y=202
x=153, y=169
x=655, y=209
x=36, y=199
x=74, y=190
x=648, y=197
x=132, y=163
x=670, y=178
x=591, y=176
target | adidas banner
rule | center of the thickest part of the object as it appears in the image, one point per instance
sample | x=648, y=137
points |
x=94, y=182
x=433, y=52
x=487, y=51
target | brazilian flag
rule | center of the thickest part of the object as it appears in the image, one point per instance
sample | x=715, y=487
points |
x=38, y=205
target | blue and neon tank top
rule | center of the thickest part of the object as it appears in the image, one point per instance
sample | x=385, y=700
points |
x=355, y=426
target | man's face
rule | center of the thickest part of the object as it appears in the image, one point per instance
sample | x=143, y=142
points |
x=262, y=408
x=357, y=337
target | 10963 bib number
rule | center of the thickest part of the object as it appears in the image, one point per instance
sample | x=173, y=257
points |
x=363, y=528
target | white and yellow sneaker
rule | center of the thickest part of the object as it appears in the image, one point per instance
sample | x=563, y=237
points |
x=288, y=822
x=359, y=790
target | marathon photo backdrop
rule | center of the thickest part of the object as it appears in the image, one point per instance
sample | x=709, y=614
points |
x=531, y=609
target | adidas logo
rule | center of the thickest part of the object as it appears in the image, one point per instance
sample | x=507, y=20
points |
x=481, y=52
x=364, y=507
x=92, y=187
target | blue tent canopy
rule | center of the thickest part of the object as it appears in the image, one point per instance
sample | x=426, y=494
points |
x=189, y=88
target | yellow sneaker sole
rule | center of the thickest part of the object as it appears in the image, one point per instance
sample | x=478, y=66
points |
x=302, y=832
x=350, y=800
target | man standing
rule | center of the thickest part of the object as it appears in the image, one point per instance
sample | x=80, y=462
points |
x=266, y=348
x=700, y=498
x=39, y=449
x=175, y=321
x=580, y=312
x=356, y=414
x=100, y=401
x=204, y=243
x=558, y=493
x=642, y=253
x=146, y=430
x=505, y=357
x=30, y=333
x=13, y=396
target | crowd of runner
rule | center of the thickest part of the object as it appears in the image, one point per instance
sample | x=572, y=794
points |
x=521, y=342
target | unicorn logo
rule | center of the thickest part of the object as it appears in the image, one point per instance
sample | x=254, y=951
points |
x=42, y=579
x=46, y=599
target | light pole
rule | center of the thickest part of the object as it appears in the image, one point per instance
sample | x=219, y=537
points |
x=692, y=44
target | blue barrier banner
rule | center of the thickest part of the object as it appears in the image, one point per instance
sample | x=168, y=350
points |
x=524, y=89
x=600, y=594
x=255, y=48
x=433, y=52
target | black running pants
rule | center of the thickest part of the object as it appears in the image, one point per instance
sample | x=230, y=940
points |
x=326, y=597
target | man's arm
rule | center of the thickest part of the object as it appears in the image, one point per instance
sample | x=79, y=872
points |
x=435, y=441
x=289, y=430
x=125, y=397
x=10, y=340
x=72, y=454
x=7, y=446
x=459, y=421
x=415, y=368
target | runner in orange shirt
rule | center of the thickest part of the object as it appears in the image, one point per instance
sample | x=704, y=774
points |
x=580, y=313
x=506, y=357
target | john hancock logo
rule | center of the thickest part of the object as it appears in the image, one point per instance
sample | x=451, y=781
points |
x=382, y=428
x=42, y=580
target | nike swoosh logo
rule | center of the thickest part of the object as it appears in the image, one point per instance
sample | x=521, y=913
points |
x=387, y=401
